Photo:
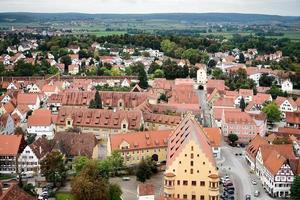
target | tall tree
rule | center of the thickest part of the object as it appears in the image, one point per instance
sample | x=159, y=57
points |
x=242, y=58
x=272, y=111
x=66, y=60
x=98, y=100
x=242, y=104
x=89, y=185
x=53, y=167
x=233, y=138
x=295, y=188
x=143, y=171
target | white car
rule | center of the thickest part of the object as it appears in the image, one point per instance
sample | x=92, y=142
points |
x=254, y=182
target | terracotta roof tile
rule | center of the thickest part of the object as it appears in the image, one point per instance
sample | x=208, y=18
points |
x=27, y=98
x=141, y=140
x=14, y=192
x=77, y=144
x=40, y=117
x=188, y=129
x=254, y=145
x=10, y=144
x=145, y=189
x=293, y=117
x=86, y=117
x=214, y=136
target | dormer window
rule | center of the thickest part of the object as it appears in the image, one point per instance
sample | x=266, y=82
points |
x=69, y=122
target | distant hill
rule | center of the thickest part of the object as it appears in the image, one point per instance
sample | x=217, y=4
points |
x=182, y=17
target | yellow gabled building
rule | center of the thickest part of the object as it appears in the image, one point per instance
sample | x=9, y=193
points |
x=191, y=171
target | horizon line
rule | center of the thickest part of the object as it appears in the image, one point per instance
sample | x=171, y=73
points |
x=144, y=13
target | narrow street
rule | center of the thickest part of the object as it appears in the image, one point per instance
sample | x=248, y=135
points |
x=205, y=111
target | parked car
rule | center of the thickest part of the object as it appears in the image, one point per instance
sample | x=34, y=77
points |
x=230, y=192
x=256, y=193
x=254, y=182
x=248, y=197
x=228, y=183
x=126, y=178
x=229, y=188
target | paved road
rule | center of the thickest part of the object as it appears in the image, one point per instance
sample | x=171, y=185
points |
x=238, y=171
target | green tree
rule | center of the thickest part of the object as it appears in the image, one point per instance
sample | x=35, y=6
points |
x=242, y=104
x=80, y=163
x=96, y=102
x=273, y=112
x=233, y=138
x=116, y=72
x=195, y=56
x=168, y=47
x=266, y=80
x=143, y=171
x=146, y=168
x=116, y=161
x=53, y=167
x=242, y=58
x=153, y=67
x=295, y=188
x=159, y=73
x=115, y=192
x=66, y=60
x=275, y=92
x=89, y=185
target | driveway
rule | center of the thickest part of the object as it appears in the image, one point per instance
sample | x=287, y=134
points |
x=238, y=170
x=129, y=188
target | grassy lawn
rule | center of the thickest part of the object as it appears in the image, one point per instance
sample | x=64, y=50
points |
x=6, y=176
x=63, y=196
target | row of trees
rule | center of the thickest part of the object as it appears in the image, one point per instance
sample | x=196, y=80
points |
x=27, y=69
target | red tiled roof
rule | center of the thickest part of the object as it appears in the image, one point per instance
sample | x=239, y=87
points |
x=188, y=129
x=145, y=189
x=141, y=140
x=9, y=107
x=238, y=117
x=254, y=145
x=218, y=112
x=40, y=117
x=10, y=144
x=86, y=117
x=261, y=98
x=27, y=98
x=77, y=144
x=214, y=136
x=245, y=92
x=183, y=94
x=281, y=100
x=161, y=118
x=293, y=117
x=274, y=156
x=224, y=102
x=218, y=84
x=14, y=192
x=40, y=147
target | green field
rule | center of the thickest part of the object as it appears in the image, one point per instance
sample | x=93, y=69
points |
x=293, y=35
x=63, y=196
x=106, y=33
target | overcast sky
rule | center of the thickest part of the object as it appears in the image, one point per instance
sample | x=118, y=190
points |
x=277, y=7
